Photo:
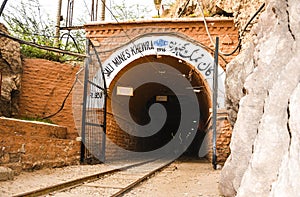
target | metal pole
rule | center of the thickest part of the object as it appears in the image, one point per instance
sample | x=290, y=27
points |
x=96, y=14
x=57, y=26
x=103, y=11
x=83, y=123
x=215, y=100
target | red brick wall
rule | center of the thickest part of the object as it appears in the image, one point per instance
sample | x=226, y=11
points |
x=224, y=131
x=123, y=139
x=45, y=85
x=108, y=36
x=112, y=35
x=27, y=145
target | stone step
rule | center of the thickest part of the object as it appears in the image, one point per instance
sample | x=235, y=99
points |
x=6, y=173
x=30, y=146
x=37, y=152
x=31, y=128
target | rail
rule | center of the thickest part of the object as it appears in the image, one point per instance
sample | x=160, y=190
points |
x=155, y=166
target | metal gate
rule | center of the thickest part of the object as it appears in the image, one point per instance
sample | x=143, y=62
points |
x=93, y=128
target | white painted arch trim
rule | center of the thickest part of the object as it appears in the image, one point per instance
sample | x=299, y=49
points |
x=170, y=45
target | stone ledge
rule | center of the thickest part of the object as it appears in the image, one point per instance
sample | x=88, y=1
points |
x=27, y=145
x=31, y=128
x=6, y=174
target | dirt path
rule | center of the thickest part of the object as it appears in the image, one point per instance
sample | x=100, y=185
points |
x=185, y=177
x=182, y=178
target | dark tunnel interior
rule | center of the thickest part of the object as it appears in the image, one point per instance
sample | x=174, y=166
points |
x=151, y=93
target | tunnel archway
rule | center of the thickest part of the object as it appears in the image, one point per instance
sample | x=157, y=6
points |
x=150, y=56
x=148, y=94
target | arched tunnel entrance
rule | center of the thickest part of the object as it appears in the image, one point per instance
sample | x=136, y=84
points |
x=137, y=103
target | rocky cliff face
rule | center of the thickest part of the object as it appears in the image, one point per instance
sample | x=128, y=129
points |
x=10, y=70
x=264, y=83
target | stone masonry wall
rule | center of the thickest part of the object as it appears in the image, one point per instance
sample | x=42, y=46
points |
x=29, y=145
x=10, y=75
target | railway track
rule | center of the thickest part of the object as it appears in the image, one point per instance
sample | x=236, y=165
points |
x=111, y=183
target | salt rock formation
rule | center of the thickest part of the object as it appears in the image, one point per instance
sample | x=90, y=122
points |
x=10, y=70
x=265, y=79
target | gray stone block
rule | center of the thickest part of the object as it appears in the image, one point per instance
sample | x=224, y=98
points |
x=6, y=173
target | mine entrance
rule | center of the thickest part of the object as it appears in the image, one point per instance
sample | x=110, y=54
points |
x=149, y=93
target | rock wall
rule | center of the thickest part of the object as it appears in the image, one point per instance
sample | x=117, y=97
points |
x=263, y=83
x=10, y=75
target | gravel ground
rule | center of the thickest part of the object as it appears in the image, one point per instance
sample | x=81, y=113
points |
x=189, y=178
x=28, y=181
x=182, y=178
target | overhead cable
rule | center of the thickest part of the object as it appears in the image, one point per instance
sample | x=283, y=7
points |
x=241, y=34
x=48, y=48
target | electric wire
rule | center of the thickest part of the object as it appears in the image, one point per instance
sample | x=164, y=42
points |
x=68, y=34
x=240, y=35
x=47, y=48
x=130, y=39
x=41, y=35
x=185, y=6
x=67, y=96
x=85, y=4
x=63, y=103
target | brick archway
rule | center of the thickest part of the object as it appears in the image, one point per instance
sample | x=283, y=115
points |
x=121, y=44
x=166, y=44
x=146, y=93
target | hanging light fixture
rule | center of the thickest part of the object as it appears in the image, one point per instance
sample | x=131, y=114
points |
x=157, y=4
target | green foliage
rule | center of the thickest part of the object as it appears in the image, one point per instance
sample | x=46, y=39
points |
x=124, y=12
x=27, y=21
x=37, y=119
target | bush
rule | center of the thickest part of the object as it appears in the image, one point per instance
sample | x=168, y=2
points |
x=26, y=21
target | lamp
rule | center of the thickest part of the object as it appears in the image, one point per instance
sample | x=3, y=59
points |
x=157, y=4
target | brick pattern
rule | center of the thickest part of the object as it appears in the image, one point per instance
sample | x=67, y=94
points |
x=108, y=37
x=224, y=131
x=223, y=140
x=117, y=136
x=26, y=145
x=45, y=85
x=31, y=128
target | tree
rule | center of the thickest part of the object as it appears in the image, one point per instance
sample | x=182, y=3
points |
x=124, y=11
x=29, y=22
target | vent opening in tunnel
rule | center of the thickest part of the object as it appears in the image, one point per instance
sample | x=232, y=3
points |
x=152, y=93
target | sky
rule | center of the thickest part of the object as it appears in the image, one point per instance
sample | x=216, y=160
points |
x=82, y=7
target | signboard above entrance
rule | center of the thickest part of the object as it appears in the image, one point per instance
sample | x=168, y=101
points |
x=159, y=45
x=169, y=45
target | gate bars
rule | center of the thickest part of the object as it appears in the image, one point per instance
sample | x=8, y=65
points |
x=94, y=109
